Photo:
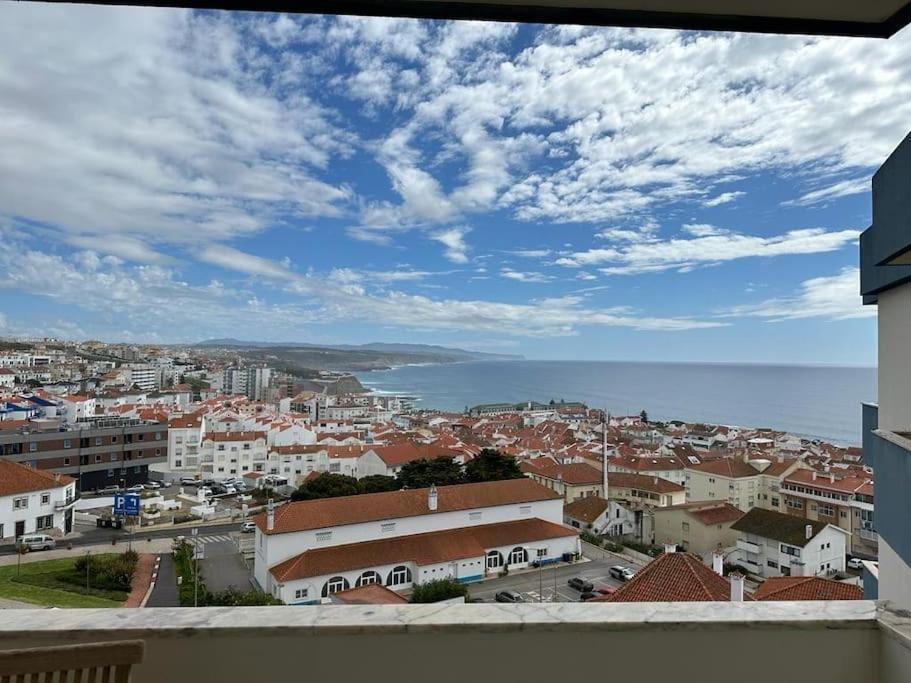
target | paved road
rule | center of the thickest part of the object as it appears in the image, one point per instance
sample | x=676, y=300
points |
x=221, y=565
x=164, y=594
x=88, y=535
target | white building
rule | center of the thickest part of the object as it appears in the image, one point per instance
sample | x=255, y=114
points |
x=227, y=454
x=184, y=441
x=251, y=382
x=73, y=408
x=34, y=501
x=142, y=375
x=7, y=378
x=775, y=544
x=310, y=549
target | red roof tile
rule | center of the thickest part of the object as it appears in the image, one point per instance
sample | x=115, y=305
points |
x=326, y=512
x=807, y=588
x=16, y=478
x=422, y=549
x=673, y=577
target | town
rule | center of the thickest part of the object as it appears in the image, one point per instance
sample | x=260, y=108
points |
x=231, y=482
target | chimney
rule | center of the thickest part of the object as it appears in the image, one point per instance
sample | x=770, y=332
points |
x=832, y=477
x=432, y=498
x=670, y=548
x=809, y=531
x=813, y=475
x=270, y=516
x=718, y=562
x=736, y=586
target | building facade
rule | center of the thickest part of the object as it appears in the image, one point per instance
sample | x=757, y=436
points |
x=34, y=501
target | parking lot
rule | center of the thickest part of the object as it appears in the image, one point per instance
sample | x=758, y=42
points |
x=541, y=585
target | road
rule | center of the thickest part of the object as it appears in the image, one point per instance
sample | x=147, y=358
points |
x=88, y=535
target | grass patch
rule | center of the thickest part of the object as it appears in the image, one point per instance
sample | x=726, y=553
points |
x=55, y=583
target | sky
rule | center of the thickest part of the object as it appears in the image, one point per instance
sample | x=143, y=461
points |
x=169, y=176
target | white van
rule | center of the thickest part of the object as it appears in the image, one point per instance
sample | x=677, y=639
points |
x=37, y=542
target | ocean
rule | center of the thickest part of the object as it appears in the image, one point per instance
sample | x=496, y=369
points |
x=814, y=401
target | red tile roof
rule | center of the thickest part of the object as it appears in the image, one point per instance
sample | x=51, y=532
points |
x=234, y=436
x=673, y=577
x=734, y=468
x=807, y=588
x=372, y=594
x=642, y=482
x=422, y=549
x=577, y=473
x=709, y=512
x=16, y=478
x=586, y=509
x=327, y=512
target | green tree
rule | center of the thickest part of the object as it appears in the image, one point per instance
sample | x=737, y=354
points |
x=377, y=483
x=644, y=417
x=491, y=465
x=439, y=589
x=327, y=485
x=441, y=471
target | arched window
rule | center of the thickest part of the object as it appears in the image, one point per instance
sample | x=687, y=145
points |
x=334, y=585
x=398, y=576
x=494, y=559
x=368, y=578
x=518, y=556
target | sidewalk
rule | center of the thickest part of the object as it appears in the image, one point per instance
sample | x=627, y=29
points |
x=155, y=546
x=142, y=579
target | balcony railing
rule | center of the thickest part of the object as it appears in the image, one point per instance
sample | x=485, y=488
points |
x=868, y=535
x=698, y=642
x=747, y=546
x=64, y=504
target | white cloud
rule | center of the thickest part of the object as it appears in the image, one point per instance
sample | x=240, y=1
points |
x=840, y=189
x=129, y=127
x=242, y=262
x=520, y=276
x=454, y=241
x=835, y=297
x=723, y=198
x=703, y=230
x=531, y=253
x=713, y=248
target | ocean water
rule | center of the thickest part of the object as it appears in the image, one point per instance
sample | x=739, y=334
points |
x=814, y=401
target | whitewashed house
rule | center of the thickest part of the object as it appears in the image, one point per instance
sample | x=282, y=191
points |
x=775, y=544
x=34, y=501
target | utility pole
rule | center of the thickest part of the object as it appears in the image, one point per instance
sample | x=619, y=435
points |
x=88, y=554
x=195, y=533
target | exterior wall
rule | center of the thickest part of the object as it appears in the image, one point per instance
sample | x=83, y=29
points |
x=464, y=569
x=274, y=548
x=369, y=463
x=741, y=492
x=223, y=459
x=95, y=456
x=894, y=375
x=676, y=526
x=57, y=499
x=828, y=547
x=650, y=498
x=183, y=449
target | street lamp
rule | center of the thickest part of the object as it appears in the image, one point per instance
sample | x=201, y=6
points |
x=195, y=533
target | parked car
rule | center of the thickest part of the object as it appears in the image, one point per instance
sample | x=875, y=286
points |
x=588, y=595
x=508, y=596
x=229, y=488
x=36, y=542
x=153, y=485
x=605, y=591
x=621, y=573
x=855, y=563
x=136, y=488
x=108, y=490
x=581, y=585
x=189, y=481
x=248, y=527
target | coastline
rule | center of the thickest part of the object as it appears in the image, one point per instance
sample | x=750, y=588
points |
x=809, y=401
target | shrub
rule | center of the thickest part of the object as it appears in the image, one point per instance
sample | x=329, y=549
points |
x=440, y=589
x=589, y=537
x=234, y=598
x=113, y=573
x=180, y=519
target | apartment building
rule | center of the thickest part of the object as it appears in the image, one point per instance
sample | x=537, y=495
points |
x=775, y=544
x=34, y=500
x=644, y=490
x=97, y=453
x=845, y=501
x=573, y=481
x=184, y=441
x=142, y=375
x=253, y=383
x=232, y=454
x=661, y=466
x=698, y=527
x=742, y=483
x=310, y=549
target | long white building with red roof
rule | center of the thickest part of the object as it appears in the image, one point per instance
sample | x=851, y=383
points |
x=307, y=550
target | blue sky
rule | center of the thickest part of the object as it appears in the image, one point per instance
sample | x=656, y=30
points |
x=170, y=176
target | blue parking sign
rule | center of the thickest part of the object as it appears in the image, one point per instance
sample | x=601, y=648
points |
x=126, y=504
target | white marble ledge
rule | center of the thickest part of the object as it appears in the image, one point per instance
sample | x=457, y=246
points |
x=491, y=618
x=895, y=623
x=894, y=438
